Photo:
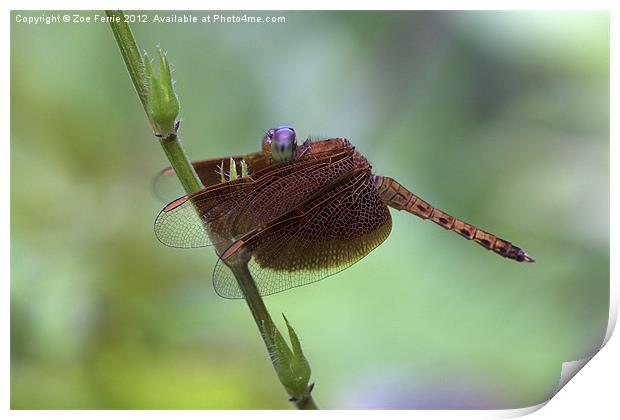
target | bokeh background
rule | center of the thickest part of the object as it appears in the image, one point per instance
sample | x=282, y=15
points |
x=501, y=118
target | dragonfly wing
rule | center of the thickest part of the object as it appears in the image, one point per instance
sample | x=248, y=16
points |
x=203, y=218
x=324, y=236
x=287, y=188
x=231, y=209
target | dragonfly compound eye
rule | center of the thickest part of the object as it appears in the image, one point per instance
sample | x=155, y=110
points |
x=283, y=144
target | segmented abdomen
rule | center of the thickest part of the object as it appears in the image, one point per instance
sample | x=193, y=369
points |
x=398, y=197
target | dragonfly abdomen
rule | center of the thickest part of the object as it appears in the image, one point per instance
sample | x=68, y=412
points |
x=395, y=195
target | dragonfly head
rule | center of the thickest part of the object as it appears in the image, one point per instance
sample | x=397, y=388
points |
x=280, y=143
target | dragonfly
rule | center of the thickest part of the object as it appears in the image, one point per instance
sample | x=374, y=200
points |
x=298, y=213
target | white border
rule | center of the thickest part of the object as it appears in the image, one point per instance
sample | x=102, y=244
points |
x=595, y=391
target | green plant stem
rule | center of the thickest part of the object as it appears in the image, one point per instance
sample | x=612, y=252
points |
x=254, y=300
x=184, y=170
x=180, y=162
x=134, y=63
x=131, y=55
x=263, y=319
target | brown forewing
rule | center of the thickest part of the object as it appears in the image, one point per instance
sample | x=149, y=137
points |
x=334, y=230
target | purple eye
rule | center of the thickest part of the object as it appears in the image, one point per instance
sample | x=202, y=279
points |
x=283, y=141
x=284, y=134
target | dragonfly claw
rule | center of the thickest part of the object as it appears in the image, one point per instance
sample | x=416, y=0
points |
x=528, y=258
x=521, y=255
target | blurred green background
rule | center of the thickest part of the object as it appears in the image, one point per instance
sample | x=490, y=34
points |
x=500, y=118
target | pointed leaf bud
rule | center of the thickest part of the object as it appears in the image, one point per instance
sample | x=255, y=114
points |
x=162, y=103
